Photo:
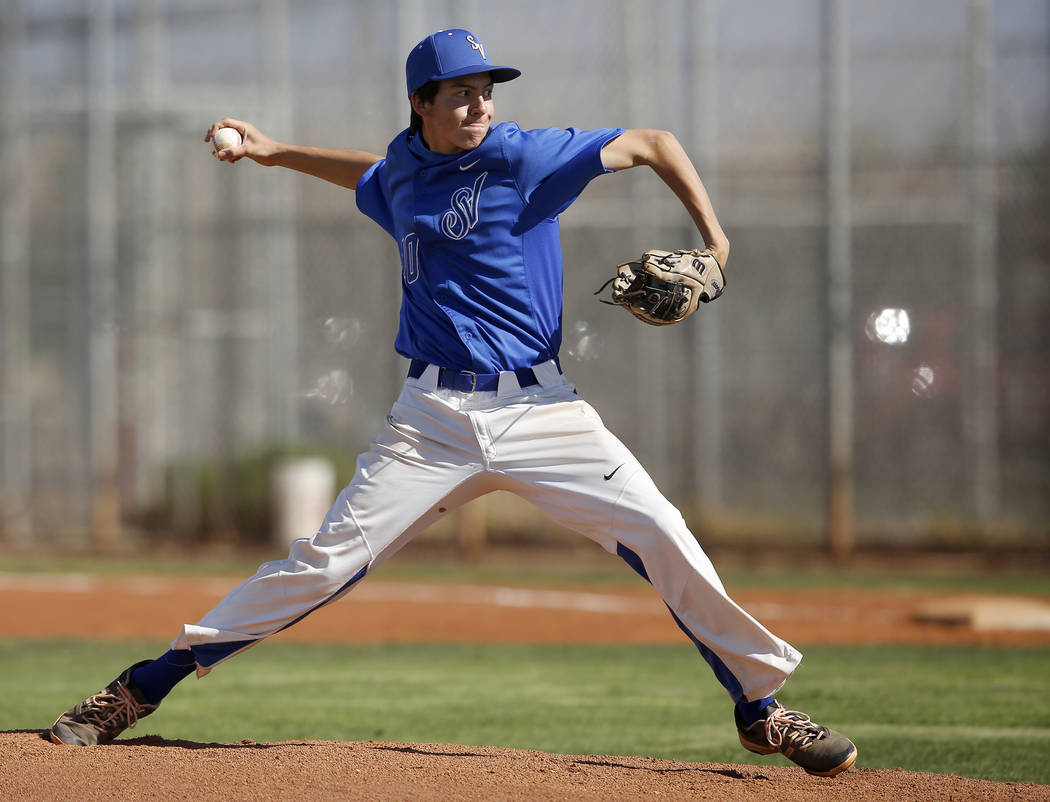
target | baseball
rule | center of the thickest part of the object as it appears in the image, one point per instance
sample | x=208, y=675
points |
x=225, y=138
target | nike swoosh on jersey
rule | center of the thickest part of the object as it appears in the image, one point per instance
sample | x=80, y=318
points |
x=609, y=476
x=468, y=166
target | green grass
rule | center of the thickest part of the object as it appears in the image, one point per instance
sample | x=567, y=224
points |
x=961, y=710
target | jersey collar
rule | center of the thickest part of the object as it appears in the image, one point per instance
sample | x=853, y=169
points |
x=425, y=154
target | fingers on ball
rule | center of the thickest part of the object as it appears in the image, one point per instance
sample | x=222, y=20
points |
x=224, y=140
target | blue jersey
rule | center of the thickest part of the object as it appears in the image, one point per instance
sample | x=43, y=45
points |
x=481, y=266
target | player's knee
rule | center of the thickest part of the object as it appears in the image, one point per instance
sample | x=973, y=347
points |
x=667, y=520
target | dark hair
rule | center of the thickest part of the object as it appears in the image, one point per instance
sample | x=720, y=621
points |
x=427, y=92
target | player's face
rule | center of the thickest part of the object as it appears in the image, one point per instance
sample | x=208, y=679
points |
x=460, y=116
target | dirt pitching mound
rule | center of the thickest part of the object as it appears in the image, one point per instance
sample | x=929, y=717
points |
x=150, y=767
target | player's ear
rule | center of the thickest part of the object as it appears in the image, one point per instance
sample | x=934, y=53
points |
x=419, y=106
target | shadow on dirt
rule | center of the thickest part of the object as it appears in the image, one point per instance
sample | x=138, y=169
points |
x=157, y=741
x=731, y=773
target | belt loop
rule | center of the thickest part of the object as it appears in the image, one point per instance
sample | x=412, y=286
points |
x=428, y=382
x=508, y=384
x=548, y=374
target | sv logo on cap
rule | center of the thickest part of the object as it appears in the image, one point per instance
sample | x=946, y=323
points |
x=475, y=45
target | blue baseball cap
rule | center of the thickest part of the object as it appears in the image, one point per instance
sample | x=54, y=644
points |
x=449, y=54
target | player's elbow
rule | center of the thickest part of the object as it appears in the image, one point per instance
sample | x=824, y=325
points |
x=638, y=146
x=656, y=145
x=661, y=139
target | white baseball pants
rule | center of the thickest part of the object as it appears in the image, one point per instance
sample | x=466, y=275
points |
x=441, y=448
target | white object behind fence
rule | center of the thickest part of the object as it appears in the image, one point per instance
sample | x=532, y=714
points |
x=303, y=491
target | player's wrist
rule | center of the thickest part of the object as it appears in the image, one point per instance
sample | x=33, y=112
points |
x=271, y=153
x=720, y=249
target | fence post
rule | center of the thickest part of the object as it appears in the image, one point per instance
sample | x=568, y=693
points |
x=16, y=444
x=982, y=396
x=839, y=280
x=102, y=399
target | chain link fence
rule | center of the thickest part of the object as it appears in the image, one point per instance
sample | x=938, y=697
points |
x=172, y=325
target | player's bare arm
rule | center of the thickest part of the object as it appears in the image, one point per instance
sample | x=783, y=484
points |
x=662, y=151
x=341, y=167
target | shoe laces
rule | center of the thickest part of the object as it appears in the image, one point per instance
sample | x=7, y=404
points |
x=790, y=726
x=114, y=708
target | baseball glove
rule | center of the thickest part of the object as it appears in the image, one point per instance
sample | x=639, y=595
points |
x=665, y=287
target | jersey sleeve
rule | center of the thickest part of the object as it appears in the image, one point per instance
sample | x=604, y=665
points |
x=552, y=166
x=372, y=200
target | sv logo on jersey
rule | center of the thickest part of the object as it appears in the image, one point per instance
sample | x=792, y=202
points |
x=460, y=220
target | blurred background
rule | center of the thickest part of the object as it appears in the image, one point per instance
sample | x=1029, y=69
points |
x=174, y=330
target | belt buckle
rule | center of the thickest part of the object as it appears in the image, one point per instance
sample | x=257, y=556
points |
x=473, y=379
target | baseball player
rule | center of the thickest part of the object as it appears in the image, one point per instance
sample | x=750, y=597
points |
x=473, y=209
